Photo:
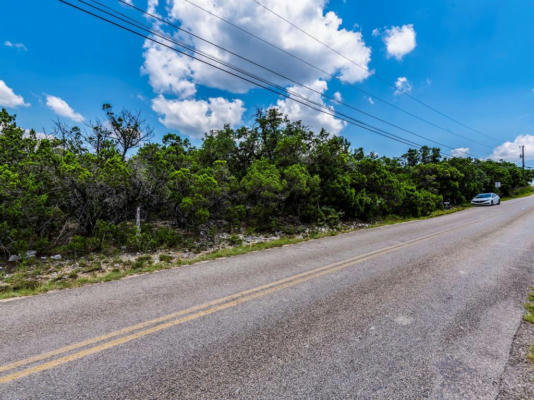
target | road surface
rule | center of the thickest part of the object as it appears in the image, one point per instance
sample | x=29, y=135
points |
x=425, y=309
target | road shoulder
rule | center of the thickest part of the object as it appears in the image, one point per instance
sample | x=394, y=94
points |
x=517, y=381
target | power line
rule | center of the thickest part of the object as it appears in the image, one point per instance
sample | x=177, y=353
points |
x=329, y=75
x=158, y=18
x=241, y=71
x=367, y=70
x=349, y=120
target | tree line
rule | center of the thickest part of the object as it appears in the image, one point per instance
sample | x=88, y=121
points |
x=78, y=190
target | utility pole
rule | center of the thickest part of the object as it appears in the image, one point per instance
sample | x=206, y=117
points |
x=523, y=155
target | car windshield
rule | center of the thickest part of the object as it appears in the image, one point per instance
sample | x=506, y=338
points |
x=483, y=195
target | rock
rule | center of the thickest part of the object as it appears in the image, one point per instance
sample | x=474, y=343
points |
x=30, y=253
x=13, y=258
x=44, y=258
x=56, y=257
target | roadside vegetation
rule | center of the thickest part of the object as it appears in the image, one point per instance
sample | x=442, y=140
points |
x=529, y=317
x=69, y=201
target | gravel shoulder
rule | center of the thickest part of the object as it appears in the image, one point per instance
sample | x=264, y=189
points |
x=517, y=382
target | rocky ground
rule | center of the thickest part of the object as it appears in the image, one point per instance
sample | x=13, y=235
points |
x=33, y=272
x=517, y=382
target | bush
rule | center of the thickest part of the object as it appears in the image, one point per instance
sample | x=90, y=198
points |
x=418, y=203
x=80, y=193
x=165, y=258
x=235, y=240
x=142, y=261
x=330, y=217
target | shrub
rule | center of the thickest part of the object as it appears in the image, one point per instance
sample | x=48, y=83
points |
x=165, y=258
x=235, y=240
x=330, y=217
x=142, y=261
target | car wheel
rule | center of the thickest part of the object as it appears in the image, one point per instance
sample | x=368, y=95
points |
x=491, y=203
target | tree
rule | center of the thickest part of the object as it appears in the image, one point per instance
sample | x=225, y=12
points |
x=80, y=190
x=100, y=139
x=263, y=188
x=302, y=192
x=411, y=157
x=128, y=130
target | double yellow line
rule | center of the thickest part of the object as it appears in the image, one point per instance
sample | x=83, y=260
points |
x=137, y=331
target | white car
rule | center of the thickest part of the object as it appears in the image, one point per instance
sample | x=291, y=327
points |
x=486, y=199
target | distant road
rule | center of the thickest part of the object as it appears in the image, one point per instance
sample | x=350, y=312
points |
x=424, y=309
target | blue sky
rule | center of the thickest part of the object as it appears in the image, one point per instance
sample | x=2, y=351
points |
x=472, y=60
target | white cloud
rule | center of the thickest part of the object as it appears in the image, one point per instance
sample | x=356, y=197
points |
x=313, y=119
x=460, y=152
x=61, y=108
x=402, y=85
x=174, y=77
x=168, y=72
x=19, y=46
x=371, y=101
x=310, y=15
x=399, y=40
x=152, y=4
x=375, y=32
x=8, y=98
x=338, y=96
x=510, y=151
x=195, y=117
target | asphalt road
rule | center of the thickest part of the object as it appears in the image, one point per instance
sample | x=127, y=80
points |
x=424, y=309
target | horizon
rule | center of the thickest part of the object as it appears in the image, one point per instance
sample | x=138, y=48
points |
x=454, y=59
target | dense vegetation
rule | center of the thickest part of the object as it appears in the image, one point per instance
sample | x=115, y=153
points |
x=78, y=192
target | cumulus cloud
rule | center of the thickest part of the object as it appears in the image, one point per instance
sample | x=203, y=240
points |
x=399, y=40
x=313, y=119
x=174, y=75
x=460, y=152
x=338, y=96
x=402, y=85
x=19, y=46
x=152, y=4
x=8, y=98
x=62, y=108
x=195, y=117
x=310, y=15
x=167, y=72
x=510, y=151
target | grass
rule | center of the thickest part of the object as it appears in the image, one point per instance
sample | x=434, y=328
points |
x=523, y=192
x=395, y=219
x=23, y=285
x=529, y=317
x=144, y=264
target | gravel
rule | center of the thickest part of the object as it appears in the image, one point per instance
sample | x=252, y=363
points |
x=517, y=382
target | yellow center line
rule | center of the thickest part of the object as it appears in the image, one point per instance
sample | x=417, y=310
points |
x=209, y=308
